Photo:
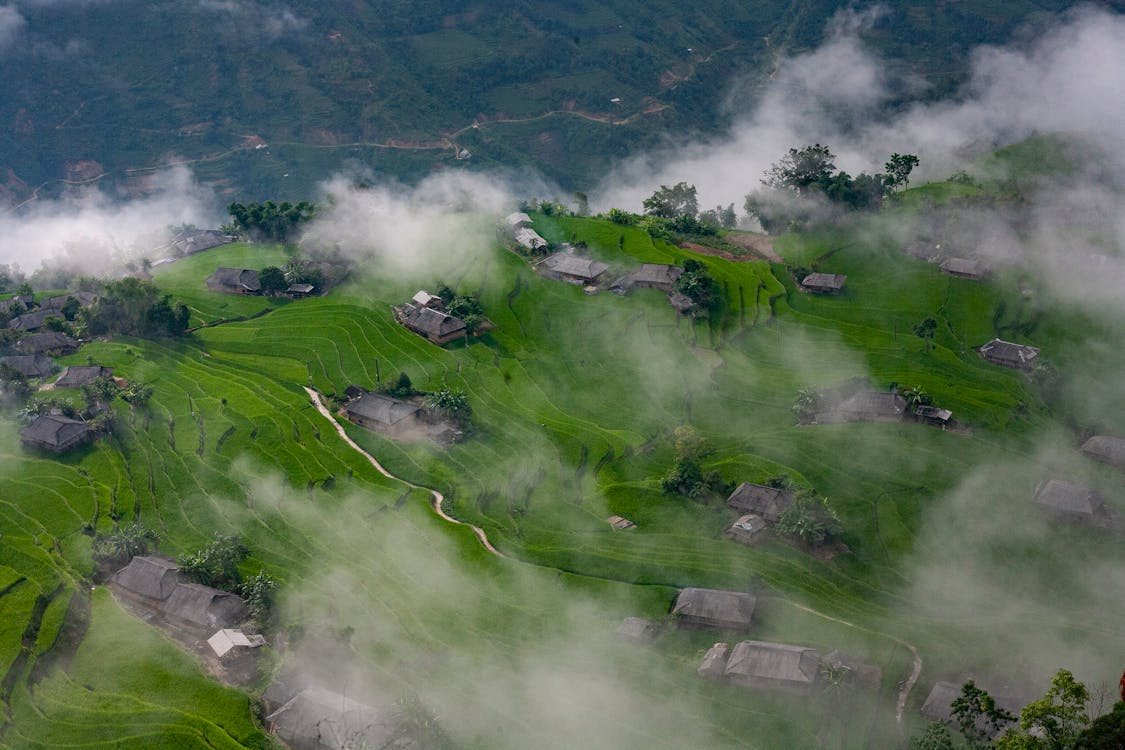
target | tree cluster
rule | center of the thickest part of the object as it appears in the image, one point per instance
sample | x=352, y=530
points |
x=124, y=543
x=686, y=477
x=269, y=221
x=132, y=307
x=451, y=403
x=697, y=284
x=810, y=519
x=216, y=564
x=806, y=178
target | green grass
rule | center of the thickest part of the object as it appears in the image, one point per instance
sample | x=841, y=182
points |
x=574, y=400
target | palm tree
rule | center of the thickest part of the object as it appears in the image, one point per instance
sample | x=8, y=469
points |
x=916, y=397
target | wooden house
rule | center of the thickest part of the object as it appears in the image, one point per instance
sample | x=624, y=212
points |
x=56, y=433
x=1008, y=354
x=824, y=283
x=713, y=608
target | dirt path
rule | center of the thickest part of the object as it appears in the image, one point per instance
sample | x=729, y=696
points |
x=915, y=672
x=437, y=497
x=755, y=243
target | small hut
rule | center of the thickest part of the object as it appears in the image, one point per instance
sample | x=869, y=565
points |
x=1008, y=354
x=747, y=529
x=714, y=664
x=232, y=644
x=1109, y=450
x=824, y=283
x=714, y=608
x=1070, y=502
x=760, y=500
x=773, y=666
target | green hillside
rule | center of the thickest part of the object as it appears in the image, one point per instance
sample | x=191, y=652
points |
x=574, y=400
x=107, y=92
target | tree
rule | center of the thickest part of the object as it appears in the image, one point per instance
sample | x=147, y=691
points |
x=670, y=202
x=70, y=308
x=925, y=331
x=689, y=443
x=916, y=397
x=685, y=478
x=810, y=520
x=935, y=736
x=25, y=290
x=1105, y=733
x=728, y=218
x=899, y=167
x=137, y=394
x=124, y=542
x=807, y=403
x=217, y=563
x=451, y=403
x=272, y=280
x=402, y=387
x=617, y=216
x=258, y=591
x=1055, y=721
x=583, y=204
x=698, y=285
x=101, y=390
x=977, y=716
x=801, y=169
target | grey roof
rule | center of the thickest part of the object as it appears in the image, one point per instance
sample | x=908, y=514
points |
x=33, y=320
x=430, y=322
x=933, y=412
x=748, y=525
x=85, y=299
x=204, y=606
x=832, y=281
x=637, y=629
x=1006, y=352
x=300, y=288
x=574, y=265
x=939, y=703
x=1110, y=450
x=1065, y=497
x=29, y=365
x=382, y=409
x=773, y=661
x=147, y=576
x=767, y=502
x=714, y=664
x=76, y=376
x=726, y=609
x=680, y=301
x=245, y=279
x=529, y=238
x=55, y=431
x=45, y=342
x=517, y=219
x=657, y=273
x=963, y=266
x=320, y=718
x=197, y=240
x=872, y=404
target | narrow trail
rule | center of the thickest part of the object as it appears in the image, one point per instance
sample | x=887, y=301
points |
x=915, y=672
x=903, y=693
x=436, y=496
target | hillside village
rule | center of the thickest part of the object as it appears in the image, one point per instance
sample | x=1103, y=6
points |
x=747, y=511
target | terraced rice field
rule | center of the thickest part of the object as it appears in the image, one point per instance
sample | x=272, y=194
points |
x=574, y=399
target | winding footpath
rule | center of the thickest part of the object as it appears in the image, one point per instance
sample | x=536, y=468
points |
x=437, y=499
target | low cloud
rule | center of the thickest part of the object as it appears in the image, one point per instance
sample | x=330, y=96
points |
x=12, y=24
x=90, y=231
x=270, y=21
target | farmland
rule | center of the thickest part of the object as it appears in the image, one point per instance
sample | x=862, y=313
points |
x=574, y=400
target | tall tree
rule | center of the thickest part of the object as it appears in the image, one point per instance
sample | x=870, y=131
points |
x=671, y=202
x=272, y=280
x=802, y=169
x=899, y=167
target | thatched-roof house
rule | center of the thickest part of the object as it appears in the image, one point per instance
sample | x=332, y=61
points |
x=656, y=276
x=201, y=607
x=933, y=415
x=1070, y=502
x=148, y=579
x=29, y=365
x=56, y=433
x=25, y=301
x=383, y=414
x=319, y=719
x=714, y=664
x=963, y=268
x=867, y=406
x=713, y=608
x=637, y=629
x=1008, y=354
x=747, y=529
x=191, y=241
x=234, y=281
x=824, y=283
x=620, y=523
x=232, y=644
x=77, y=376
x=84, y=299
x=773, y=666
x=767, y=502
x=939, y=704
x=572, y=268
x=300, y=290
x=1110, y=450
x=422, y=298
x=517, y=219
x=34, y=320
x=435, y=325
x=48, y=341
x=529, y=239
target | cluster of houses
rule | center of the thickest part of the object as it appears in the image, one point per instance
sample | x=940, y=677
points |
x=527, y=240
x=1078, y=504
x=854, y=402
x=952, y=265
x=248, y=281
x=159, y=588
x=33, y=317
x=759, y=507
x=753, y=664
x=425, y=315
x=56, y=432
